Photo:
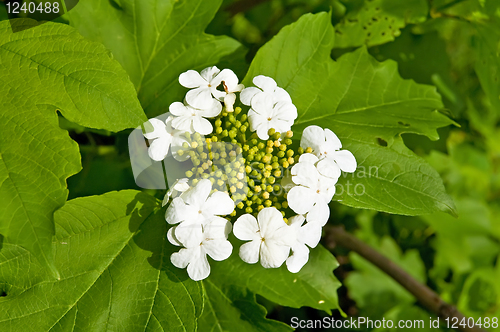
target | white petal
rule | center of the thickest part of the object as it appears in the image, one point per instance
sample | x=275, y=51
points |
x=156, y=128
x=181, y=184
x=158, y=150
x=217, y=228
x=265, y=83
x=199, y=98
x=255, y=119
x=310, y=234
x=313, y=137
x=273, y=255
x=263, y=103
x=270, y=220
x=247, y=94
x=184, y=123
x=199, y=268
x=219, y=203
x=209, y=73
x=229, y=77
x=171, y=237
x=218, y=250
x=300, y=199
x=189, y=233
x=305, y=174
x=281, y=95
x=319, y=214
x=332, y=139
x=298, y=259
x=182, y=258
x=178, y=211
x=328, y=168
x=308, y=158
x=197, y=196
x=229, y=101
x=263, y=131
x=191, y=79
x=249, y=252
x=202, y=126
x=246, y=228
x=178, y=109
x=211, y=112
x=296, y=221
x=285, y=111
x=346, y=161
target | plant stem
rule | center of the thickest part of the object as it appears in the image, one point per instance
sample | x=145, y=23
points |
x=337, y=236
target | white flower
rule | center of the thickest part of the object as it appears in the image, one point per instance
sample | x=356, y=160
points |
x=325, y=166
x=204, y=86
x=164, y=136
x=268, y=86
x=326, y=144
x=311, y=188
x=195, y=206
x=192, y=119
x=266, y=114
x=308, y=234
x=270, y=238
x=200, y=241
x=181, y=185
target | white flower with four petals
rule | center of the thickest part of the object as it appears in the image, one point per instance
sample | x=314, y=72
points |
x=326, y=144
x=267, y=86
x=312, y=189
x=208, y=239
x=164, y=136
x=190, y=119
x=266, y=114
x=204, y=87
x=270, y=238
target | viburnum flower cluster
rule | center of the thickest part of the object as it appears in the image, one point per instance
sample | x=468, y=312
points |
x=245, y=173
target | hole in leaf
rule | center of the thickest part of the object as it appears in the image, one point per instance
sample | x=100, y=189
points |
x=352, y=20
x=3, y=294
x=364, y=28
x=374, y=19
x=381, y=142
x=369, y=34
x=383, y=33
x=403, y=124
x=338, y=31
x=115, y=5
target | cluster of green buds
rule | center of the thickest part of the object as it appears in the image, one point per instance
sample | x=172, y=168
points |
x=253, y=172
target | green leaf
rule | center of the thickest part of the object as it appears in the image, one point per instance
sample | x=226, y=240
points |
x=228, y=307
x=368, y=105
x=487, y=49
x=113, y=256
x=44, y=69
x=155, y=41
x=378, y=21
x=314, y=286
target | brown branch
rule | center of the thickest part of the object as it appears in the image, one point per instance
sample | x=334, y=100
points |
x=337, y=236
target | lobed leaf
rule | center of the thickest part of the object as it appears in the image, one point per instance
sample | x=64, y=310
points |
x=314, y=286
x=227, y=307
x=155, y=41
x=44, y=69
x=113, y=257
x=368, y=105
